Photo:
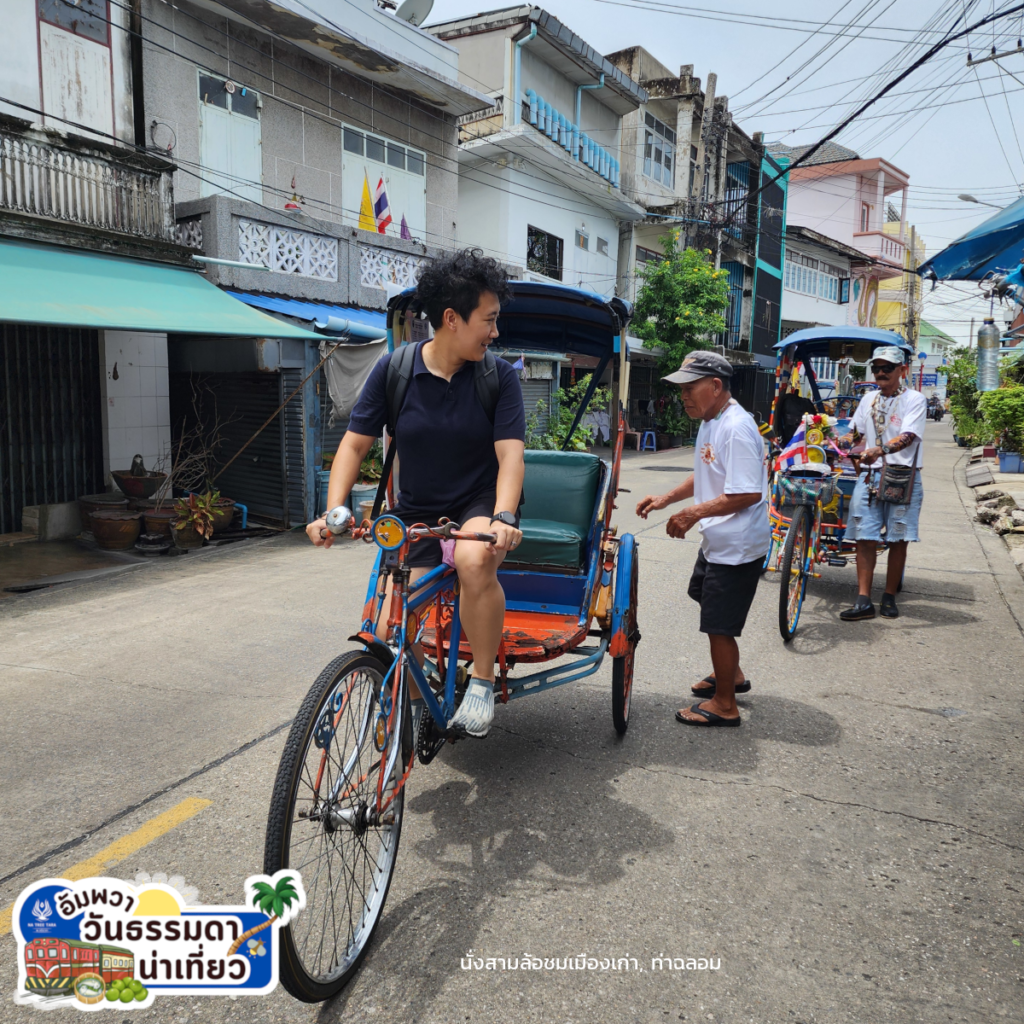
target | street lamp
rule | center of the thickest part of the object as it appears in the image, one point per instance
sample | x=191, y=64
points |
x=970, y=199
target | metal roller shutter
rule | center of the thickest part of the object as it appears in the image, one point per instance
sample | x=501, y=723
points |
x=51, y=418
x=537, y=401
x=294, y=447
x=241, y=402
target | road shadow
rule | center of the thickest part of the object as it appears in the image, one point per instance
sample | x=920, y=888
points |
x=537, y=809
x=922, y=607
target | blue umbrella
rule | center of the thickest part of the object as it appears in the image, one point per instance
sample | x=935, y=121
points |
x=996, y=244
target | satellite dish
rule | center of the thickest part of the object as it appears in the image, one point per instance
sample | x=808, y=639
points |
x=415, y=11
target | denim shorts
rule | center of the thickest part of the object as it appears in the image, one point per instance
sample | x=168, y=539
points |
x=882, y=521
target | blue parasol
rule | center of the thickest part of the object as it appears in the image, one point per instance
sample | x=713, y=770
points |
x=995, y=245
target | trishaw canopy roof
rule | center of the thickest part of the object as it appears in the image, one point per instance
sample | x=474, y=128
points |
x=550, y=317
x=816, y=341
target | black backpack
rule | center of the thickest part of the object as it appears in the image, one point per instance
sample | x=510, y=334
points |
x=396, y=384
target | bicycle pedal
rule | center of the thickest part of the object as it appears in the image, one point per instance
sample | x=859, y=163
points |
x=837, y=561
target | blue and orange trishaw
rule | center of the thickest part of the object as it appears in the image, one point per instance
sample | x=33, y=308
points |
x=808, y=504
x=571, y=599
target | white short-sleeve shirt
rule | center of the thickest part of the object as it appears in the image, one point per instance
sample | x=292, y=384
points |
x=904, y=413
x=731, y=459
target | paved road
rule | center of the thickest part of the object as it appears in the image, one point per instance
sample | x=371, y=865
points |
x=851, y=854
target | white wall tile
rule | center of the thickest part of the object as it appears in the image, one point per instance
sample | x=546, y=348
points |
x=132, y=410
x=150, y=416
x=162, y=389
x=132, y=446
x=118, y=445
x=163, y=414
x=115, y=414
x=150, y=444
x=160, y=350
x=147, y=381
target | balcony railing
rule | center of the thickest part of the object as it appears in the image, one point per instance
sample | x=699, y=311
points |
x=564, y=133
x=881, y=246
x=86, y=186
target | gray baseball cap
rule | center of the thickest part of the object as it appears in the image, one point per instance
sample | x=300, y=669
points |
x=701, y=364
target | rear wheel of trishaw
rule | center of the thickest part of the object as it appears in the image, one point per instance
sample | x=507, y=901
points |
x=318, y=825
x=622, y=668
x=793, y=572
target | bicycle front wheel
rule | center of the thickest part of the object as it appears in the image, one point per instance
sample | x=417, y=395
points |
x=323, y=823
x=793, y=571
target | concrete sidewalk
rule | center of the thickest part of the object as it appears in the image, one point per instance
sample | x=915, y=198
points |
x=851, y=854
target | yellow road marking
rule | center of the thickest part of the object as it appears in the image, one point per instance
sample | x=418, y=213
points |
x=122, y=848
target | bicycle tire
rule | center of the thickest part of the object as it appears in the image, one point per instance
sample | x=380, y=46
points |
x=790, y=601
x=622, y=668
x=343, y=700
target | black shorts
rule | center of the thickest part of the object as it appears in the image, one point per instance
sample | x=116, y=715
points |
x=426, y=553
x=724, y=593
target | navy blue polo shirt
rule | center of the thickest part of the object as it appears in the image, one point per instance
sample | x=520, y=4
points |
x=445, y=440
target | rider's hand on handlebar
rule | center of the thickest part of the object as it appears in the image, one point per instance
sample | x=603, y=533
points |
x=318, y=533
x=507, y=537
x=871, y=455
x=651, y=503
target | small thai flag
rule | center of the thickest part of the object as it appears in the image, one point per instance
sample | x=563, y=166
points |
x=795, y=453
x=381, y=210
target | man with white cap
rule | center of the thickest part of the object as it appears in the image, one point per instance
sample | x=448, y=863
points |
x=890, y=421
x=729, y=486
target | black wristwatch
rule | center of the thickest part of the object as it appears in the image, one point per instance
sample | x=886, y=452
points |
x=508, y=518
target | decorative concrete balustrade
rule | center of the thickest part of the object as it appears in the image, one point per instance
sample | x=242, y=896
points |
x=557, y=127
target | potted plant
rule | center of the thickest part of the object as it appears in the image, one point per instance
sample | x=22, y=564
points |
x=673, y=423
x=1003, y=410
x=194, y=521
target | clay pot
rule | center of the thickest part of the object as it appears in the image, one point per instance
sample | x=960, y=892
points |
x=188, y=537
x=138, y=486
x=159, y=520
x=89, y=503
x=223, y=513
x=115, y=530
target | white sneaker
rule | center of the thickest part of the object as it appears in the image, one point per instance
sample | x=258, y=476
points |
x=476, y=712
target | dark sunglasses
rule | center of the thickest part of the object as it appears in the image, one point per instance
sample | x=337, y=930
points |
x=883, y=370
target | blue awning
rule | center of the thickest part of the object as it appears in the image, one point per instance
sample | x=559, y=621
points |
x=361, y=323
x=996, y=244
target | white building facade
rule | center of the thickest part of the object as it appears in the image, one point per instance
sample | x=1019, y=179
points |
x=540, y=172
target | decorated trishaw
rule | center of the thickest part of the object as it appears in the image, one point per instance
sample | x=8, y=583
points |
x=571, y=599
x=811, y=479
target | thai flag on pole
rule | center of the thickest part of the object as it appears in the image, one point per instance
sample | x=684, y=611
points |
x=795, y=453
x=381, y=210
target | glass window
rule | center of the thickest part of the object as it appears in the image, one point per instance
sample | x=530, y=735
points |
x=602, y=246
x=52, y=953
x=666, y=174
x=648, y=149
x=28, y=954
x=582, y=240
x=374, y=148
x=352, y=141
x=86, y=18
x=245, y=102
x=396, y=155
x=414, y=162
x=211, y=90
x=544, y=253
x=644, y=255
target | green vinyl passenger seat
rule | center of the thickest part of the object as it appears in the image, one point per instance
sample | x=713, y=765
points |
x=560, y=490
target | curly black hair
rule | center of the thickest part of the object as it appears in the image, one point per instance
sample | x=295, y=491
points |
x=456, y=281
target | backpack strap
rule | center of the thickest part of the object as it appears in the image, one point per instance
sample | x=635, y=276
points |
x=488, y=385
x=396, y=384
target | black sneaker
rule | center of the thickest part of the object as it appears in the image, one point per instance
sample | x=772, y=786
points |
x=862, y=609
x=888, y=607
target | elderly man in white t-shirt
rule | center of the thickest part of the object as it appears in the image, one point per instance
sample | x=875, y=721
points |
x=730, y=490
x=871, y=521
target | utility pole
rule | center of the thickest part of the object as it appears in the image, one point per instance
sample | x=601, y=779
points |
x=970, y=337
x=912, y=322
x=697, y=185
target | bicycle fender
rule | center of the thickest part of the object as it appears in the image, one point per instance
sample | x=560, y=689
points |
x=621, y=612
x=375, y=646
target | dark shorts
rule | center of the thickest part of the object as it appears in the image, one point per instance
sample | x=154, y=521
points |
x=724, y=593
x=427, y=553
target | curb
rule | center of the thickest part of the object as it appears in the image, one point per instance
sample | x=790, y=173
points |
x=1009, y=584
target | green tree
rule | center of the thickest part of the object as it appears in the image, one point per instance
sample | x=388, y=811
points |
x=681, y=303
x=962, y=391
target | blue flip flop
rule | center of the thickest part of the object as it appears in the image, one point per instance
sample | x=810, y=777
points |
x=710, y=718
x=743, y=687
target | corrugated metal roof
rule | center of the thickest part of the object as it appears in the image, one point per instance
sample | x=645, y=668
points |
x=312, y=310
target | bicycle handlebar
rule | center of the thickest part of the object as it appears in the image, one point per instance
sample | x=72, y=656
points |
x=340, y=520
